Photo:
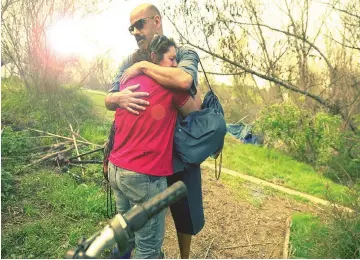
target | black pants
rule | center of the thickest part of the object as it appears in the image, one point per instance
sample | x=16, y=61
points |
x=188, y=213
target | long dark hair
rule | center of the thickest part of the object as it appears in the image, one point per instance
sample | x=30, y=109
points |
x=159, y=45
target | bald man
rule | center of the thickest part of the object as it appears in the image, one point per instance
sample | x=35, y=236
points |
x=145, y=22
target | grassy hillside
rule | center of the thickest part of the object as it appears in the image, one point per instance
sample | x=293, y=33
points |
x=278, y=168
x=98, y=97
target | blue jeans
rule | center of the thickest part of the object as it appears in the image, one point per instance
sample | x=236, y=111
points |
x=131, y=188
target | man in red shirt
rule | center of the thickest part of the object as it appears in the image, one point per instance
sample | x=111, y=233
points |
x=142, y=154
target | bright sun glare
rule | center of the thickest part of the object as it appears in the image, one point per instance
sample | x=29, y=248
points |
x=65, y=37
x=94, y=35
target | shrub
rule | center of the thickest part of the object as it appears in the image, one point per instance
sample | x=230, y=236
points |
x=309, y=138
x=50, y=111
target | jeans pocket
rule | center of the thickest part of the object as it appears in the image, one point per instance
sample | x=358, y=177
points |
x=135, y=186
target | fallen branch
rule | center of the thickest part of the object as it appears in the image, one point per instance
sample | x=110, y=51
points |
x=48, y=147
x=236, y=246
x=80, y=136
x=48, y=156
x=207, y=251
x=15, y=157
x=63, y=137
x=287, y=238
x=76, y=149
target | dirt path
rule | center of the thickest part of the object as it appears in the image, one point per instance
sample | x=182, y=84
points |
x=277, y=187
x=237, y=228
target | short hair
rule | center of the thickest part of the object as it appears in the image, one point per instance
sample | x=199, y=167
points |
x=159, y=45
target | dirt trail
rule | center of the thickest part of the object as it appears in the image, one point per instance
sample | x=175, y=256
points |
x=277, y=187
x=237, y=228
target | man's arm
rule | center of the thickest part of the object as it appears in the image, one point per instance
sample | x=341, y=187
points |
x=127, y=99
x=170, y=77
x=184, y=77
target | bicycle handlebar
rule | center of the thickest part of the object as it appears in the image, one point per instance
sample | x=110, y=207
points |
x=122, y=227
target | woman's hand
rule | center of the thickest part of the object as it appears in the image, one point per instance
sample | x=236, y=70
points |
x=131, y=72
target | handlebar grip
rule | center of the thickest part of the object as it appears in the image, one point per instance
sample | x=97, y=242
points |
x=161, y=201
x=139, y=215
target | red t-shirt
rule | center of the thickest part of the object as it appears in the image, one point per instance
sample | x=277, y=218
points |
x=144, y=143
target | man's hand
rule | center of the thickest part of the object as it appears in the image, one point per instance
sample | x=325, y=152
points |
x=131, y=72
x=127, y=99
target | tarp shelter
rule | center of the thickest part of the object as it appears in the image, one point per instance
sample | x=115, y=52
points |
x=244, y=133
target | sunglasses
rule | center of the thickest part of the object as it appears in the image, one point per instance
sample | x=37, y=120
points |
x=139, y=24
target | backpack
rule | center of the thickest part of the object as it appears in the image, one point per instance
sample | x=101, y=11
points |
x=201, y=134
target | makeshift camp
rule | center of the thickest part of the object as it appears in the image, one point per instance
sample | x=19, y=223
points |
x=244, y=133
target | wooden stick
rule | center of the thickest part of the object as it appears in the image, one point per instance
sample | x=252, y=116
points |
x=207, y=251
x=76, y=149
x=54, y=146
x=236, y=246
x=42, y=136
x=272, y=251
x=287, y=238
x=241, y=119
x=15, y=157
x=64, y=137
x=45, y=158
x=80, y=137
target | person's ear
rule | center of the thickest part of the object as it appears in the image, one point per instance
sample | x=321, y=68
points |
x=152, y=57
x=157, y=20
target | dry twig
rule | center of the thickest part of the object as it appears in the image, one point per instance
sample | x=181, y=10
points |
x=48, y=156
x=236, y=246
x=207, y=251
x=63, y=137
x=272, y=251
x=76, y=149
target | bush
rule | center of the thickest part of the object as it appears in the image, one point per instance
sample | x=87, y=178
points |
x=50, y=111
x=308, y=138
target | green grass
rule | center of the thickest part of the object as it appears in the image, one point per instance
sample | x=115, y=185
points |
x=98, y=97
x=307, y=234
x=281, y=169
x=338, y=237
x=54, y=212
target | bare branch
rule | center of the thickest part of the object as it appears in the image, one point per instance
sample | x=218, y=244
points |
x=266, y=77
x=224, y=74
x=342, y=44
x=342, y=10
x=293, y=35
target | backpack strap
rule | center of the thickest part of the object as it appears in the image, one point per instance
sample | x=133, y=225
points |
x=205, y=76
x=217, y=174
